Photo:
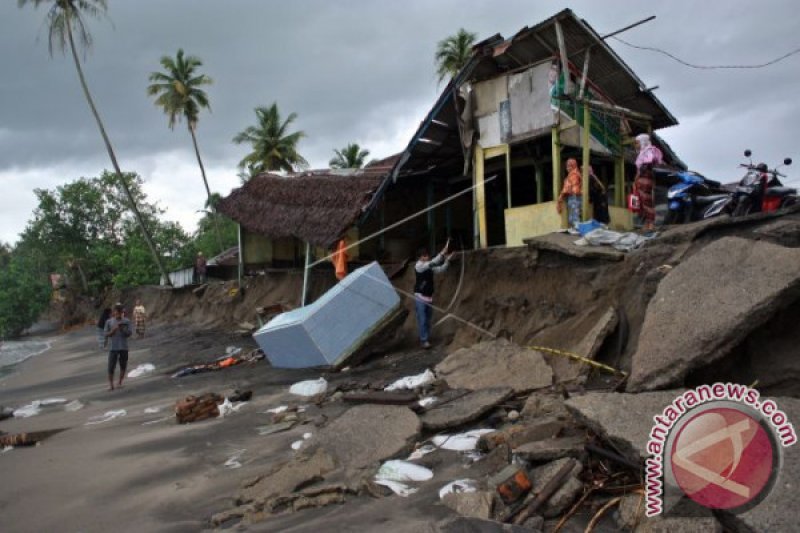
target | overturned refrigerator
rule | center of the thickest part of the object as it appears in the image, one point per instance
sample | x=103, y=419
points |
x=339, y=327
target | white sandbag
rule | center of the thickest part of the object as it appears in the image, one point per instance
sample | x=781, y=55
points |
x=458, y=486
x=460, y=441
x=310, y=387
x=401, y=489
x=141, y=370
x=412, y=382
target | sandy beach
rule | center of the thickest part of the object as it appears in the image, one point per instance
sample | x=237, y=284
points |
x=143, y=471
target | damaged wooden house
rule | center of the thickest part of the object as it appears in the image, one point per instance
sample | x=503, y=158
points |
x=504, y=127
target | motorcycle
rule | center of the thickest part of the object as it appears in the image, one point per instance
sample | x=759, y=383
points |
x=760, y=190
x=691, y=199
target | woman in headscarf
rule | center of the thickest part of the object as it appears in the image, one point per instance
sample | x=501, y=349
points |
x=644, y=184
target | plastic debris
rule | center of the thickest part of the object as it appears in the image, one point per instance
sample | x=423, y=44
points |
x=227, y=407
x=153, y=410
x=460, y=441
x=458, y=486
x=74, y=405
x=277, y=410
x=306, y=436
x=310, y=387
x=6, y=449
x=141, y=370
x=52, y=401
x=421, y=452
x=297, y=444
x=429, y=400
x=157, y=420
x=32, y=409
x=401, y=489
x=233, y=460
x=106, y=417
x=412, y=382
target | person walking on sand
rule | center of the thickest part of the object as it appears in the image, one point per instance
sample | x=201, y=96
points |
x=101, y=326
x=139, y=318
x=571, y=192
x=423, y=288
x=200, y=268
x=118, y=329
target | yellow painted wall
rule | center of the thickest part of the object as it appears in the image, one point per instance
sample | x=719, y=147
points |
x=257, y=248
x=531, y=221
x=621, y=218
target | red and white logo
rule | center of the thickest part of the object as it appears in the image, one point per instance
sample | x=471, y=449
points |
x=723, y=458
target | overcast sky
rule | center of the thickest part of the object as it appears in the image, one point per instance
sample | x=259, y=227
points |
x=355, y=71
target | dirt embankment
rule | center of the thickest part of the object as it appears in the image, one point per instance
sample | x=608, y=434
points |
x=542, y=296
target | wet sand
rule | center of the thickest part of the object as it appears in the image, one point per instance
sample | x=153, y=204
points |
x=144, y=472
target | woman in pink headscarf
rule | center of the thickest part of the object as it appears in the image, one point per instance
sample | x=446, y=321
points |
x=644, y=183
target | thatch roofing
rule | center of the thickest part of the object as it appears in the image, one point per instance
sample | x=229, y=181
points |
x=317, y=206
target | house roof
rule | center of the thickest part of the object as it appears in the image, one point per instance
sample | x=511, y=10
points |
x=436, y=145
x=317, y=206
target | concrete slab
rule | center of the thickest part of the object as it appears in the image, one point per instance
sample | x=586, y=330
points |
x=551, y=449
x=496, y=363
x=743, y=282
x=465, y=408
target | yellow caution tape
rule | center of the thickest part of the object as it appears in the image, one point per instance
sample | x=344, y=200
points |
x=578, y=358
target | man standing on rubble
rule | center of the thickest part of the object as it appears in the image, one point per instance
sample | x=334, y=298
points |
x=423, y=288
x=118, y=329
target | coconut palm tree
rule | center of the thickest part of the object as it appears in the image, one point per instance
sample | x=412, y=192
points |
x=179, y=94
x=62, y=15
x=351, y=156
x=273, y=147
x=453, y=52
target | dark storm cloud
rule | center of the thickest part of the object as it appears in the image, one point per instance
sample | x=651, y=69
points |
x=363, y=71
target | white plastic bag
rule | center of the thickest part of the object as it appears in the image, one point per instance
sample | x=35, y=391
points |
x=311, y=387
x=460, y=441
x=457, y=487
x=141, y=370
x=412, y=382
x=403, y=471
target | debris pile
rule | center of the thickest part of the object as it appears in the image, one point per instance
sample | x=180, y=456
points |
x=195, y=408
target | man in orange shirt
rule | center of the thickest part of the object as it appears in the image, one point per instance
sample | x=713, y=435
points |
x=571, y=192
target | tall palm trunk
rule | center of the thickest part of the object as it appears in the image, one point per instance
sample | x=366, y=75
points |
x=213, y=209
x=113, y=157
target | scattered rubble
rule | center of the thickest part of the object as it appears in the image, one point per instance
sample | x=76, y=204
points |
x=470, y=504
x=551, y=449
x=496, y=363
x=196, y=408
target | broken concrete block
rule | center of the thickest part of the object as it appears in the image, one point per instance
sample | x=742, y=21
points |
x=551, y=449
x=542, y=403
x=750, y=281
x=464, y=409
x=582, y=335
x=470, y=504
x=495, y=363
x=287, y=477
x=566, y=494
x=366, y=435
x=521, y=433
x=602, y=413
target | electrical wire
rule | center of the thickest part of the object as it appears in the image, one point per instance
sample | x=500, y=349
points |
x=708, y=67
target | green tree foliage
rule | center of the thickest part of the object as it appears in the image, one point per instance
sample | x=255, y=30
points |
x=453, y=52
x=274, y=148
x=24, y=294
x=179, y=94
x=64, y=18
x=351, y=156
x=84, y=230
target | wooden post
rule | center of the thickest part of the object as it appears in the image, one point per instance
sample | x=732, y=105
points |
x=305, y=274
x=585, y=73
x=508, y=174
x=562, y=49
x=556, y=147
x=480, y=198
x=619, y=181
x=585, y=144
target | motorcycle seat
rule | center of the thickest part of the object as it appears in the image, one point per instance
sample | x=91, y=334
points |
x=710, y=199
x=781, y=191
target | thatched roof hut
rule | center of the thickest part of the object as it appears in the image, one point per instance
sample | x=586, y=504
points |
x=316, y=206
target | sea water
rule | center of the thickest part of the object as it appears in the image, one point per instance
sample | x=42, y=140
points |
x=14, y=352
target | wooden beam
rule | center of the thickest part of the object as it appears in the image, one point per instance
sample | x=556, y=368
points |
x=585, y=72
x=562, y=50
x=586, y=140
